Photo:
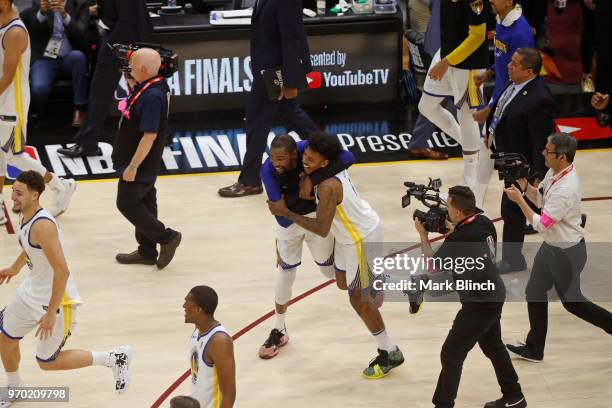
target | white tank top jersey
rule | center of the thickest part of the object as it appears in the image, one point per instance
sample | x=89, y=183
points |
x=37, y=286
x=354, y=219
x=15, y=101
x=204, y=377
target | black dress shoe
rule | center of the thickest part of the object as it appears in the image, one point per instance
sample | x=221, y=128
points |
x=529, y=230
x=521, y=351
x=504, y=403
x=239, y=190
x=167, y=251
x=504, y=267
x=78, y=150
x=134, y=258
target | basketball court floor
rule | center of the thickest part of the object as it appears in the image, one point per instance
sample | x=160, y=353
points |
x=229, y=244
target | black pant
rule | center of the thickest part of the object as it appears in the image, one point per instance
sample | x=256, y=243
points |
x=560, y=268
x=535, y=11
x=260, y=115
x=101, y=96
x=514, y=231
x=137, y=201
x=587, y=40
x=475, y=323
x=603, y=17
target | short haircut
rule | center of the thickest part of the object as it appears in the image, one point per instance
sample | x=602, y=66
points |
x=206, y=298
x=564, y=144
x=325, y=144
x=33, y=180
x=183, y=401
x=463, y=199
x=284, y=141
x=530, y=59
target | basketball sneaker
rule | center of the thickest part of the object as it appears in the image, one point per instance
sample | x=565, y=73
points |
x=275, y=341
x=3, y=219
x=121, y=360
x=521, y=351
x=382, y=364
x=504, y=403
x=5, y=400
x=62, y=196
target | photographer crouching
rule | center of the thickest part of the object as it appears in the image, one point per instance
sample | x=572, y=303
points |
x=137, y=155
x=562, y=256
x=472, y=236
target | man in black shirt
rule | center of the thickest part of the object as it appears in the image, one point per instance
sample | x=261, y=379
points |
x=463, y=54
x=470, y=247
x=137, y=156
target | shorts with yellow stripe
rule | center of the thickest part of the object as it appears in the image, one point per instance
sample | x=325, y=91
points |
x=12, y=134
x=19, y=318
x=356, y=262
x=457, y=83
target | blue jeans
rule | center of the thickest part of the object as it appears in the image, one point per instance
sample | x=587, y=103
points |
x=46, y=71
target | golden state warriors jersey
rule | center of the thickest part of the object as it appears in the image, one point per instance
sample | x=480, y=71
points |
x=37, y=286
x=15, y=101
x=204, y=377
x=354, y=219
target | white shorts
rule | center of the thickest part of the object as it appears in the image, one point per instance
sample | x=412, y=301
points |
x=456, y=83
x=353, y=260
x=18, y=319
x=289, y=242
x=12, y=137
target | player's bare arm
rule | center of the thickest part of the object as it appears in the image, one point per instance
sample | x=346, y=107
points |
x=44, y=234
x=221, y=353
x=7, y=273
x=15, y=43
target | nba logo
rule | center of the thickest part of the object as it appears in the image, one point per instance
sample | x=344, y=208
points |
x=13, y=172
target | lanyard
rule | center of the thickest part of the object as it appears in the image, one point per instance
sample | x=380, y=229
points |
x=563, y=174
x=466, y=221
x=132, y=99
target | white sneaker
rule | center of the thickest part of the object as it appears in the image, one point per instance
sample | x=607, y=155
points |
x=61, y=198
x=3, y=220
x=121, y=360
x=5, y=401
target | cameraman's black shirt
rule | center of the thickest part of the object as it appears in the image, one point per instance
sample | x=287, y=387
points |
x=475, y=238
x=148, y=114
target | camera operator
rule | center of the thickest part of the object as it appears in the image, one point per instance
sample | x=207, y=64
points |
x=137, y=155
x=562, y=256
x=478, y=321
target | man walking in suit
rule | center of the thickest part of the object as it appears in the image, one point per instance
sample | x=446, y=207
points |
x=278, y=39
x=520, y=121
x=58, y=30
x=121, y=22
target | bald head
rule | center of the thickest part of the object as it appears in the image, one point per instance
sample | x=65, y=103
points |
x=145, y=64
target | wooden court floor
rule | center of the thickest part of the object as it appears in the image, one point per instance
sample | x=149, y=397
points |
x=229, y=245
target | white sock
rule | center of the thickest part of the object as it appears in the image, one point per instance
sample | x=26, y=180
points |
x=101, y=358
x=328, y=271
x=470, y=165
x=384, y=341
x=13, y=379
x=279, y=321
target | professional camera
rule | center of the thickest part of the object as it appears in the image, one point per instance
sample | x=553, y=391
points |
x=170, y=61
x=434, y=220
x=511, y=167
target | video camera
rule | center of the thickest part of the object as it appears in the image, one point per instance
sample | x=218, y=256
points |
x=511, y=167
x=170, y=61
x=434, y=220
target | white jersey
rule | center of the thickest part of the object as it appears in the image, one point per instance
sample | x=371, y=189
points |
x=37, y=286
x=15, y=101
x=204, y=377
x=354, y=219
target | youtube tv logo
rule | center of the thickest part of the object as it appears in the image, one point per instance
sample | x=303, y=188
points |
x=314, y=80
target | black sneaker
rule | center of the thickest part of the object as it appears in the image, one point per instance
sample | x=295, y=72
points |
x=521, y=351
x=382, y=364
x=503, y=403
x=275, y=341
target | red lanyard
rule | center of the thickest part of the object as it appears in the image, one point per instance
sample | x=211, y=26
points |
x=563, y=174
x=467, y=221
x=133, y=99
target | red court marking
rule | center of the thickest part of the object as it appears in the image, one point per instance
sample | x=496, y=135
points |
x=309, y=292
